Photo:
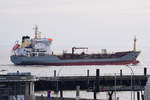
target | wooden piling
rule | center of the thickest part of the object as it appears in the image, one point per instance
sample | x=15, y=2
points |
x=121, y=76
x=78, y=92
x=95, y=95
x=145, y=71
x=88, y=82
x=54, y=73
x=110, y=94
x=94, y=90
x=61, y=90
x=121, y=72
x=138, y=95
x=88, y=73
x=142, y=95
x=61, y=94
x=97, y=80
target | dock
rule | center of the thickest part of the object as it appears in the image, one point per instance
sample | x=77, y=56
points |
x=22, y=85
x=104, y=83
x=91, y=83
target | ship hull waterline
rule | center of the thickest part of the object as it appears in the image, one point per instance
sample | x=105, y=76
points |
x=55, y=61
x=81, y=63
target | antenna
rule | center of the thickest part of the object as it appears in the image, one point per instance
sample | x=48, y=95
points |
x=36, y=32
x=134, y=46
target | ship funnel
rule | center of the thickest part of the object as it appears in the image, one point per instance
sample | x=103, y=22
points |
x=134, y=45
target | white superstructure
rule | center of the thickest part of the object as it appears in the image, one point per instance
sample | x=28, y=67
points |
x=33, y=47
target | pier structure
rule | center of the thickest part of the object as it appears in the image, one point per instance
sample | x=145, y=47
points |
x=17, y=86
x=101, y=84
x=110, y=83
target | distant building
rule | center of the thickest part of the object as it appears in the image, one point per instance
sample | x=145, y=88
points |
x=17, y=86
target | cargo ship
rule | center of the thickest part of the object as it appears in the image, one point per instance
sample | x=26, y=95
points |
x=36, y=51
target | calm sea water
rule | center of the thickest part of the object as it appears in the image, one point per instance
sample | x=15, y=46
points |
x=6, y=65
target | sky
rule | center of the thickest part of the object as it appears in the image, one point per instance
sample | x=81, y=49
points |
x=95, y=24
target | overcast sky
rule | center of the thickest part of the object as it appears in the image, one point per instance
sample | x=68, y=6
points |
x=90, y=23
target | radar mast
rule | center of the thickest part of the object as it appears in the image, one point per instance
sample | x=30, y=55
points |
x=37, y=33
x=134, y=46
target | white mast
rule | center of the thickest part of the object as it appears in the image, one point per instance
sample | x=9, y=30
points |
x=134, y=46
x=36, y=32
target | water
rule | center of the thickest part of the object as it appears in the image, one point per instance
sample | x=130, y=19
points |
x=6, y=66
